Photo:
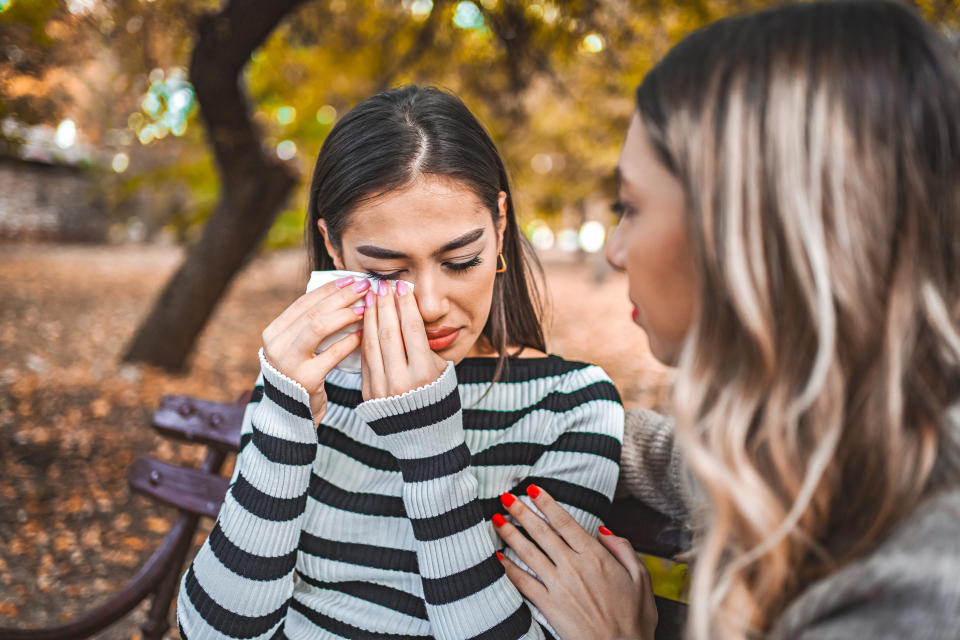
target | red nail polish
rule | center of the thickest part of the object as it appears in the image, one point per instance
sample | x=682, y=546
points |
x=401, y=288
x=499, y=556
x=498, y=520
x=368, y=299
x=344, y=281
x=360, y=332
x=382, y=288
x=359, y=310
x=507, y=499
x=361, y=286
x=533, y=491
x=606, y=531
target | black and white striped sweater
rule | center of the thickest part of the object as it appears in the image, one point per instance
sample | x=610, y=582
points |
x=377, y=524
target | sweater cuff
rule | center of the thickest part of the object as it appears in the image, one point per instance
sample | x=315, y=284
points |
x=427, y=418
x=287, y=415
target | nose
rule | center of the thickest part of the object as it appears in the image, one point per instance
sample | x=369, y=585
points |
x=431, y=294
x=614, y=250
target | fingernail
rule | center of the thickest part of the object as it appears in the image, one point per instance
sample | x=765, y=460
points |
x=382, y=288
x=361, y=285
x=499, y=556
x=498, y=520
x=507, y=499
x=360, y=332
x=344, y=281
x=401, y=288
x=359, y=310
x=368, y=299
x=533, y=491
x=606, y=531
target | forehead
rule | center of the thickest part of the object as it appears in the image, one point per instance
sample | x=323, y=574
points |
x=638, y=161
x=428, y=213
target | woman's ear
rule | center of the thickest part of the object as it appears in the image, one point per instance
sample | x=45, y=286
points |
x=322, y=226
x=501, y=223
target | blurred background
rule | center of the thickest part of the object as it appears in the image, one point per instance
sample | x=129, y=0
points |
x=154, y=161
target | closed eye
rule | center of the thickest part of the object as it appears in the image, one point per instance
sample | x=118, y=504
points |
x=463, y=266
x=384, y=276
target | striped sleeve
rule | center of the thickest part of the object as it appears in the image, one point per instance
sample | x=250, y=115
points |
x=242, y=578
x=466, y=590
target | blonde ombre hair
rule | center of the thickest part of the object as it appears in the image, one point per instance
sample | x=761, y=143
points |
x=819, y=148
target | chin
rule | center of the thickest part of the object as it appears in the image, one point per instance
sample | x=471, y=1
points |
x=665, y=354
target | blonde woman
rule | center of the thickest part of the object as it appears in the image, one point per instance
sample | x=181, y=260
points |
x=790, y=197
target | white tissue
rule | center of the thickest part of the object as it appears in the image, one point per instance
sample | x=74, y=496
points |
x=350, y=364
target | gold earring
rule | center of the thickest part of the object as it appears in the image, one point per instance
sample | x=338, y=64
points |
x=502, y=261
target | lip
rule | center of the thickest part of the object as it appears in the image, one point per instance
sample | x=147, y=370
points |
x=442, y=338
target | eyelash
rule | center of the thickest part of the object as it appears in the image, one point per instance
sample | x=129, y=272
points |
x=620, y=210
x=457, y=267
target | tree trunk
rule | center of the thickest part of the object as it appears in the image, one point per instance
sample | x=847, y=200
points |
x=254, y=185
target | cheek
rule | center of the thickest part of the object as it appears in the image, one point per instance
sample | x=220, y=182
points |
x=476, y=293
x=662, y=281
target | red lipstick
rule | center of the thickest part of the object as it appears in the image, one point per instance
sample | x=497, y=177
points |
x=442, y=338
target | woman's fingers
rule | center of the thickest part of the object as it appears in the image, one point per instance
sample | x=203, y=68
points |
x=411, y=326
x=537, y=528
x=374, y=380
x=623, y=551
x=332, y=356
x=560, y=519
x=337, y=294
x=531, y=588
x=391, y=339
x=323, y=325
x=525, y=550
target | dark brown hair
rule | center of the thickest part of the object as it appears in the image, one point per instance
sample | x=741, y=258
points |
x=385, y=143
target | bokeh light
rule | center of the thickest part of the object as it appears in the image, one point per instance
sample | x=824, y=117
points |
x=5, y=4
x=81, y=7
x=120, y=162
x=542, y=163
x=286, y=115
x=567, y=240
x=593, y=43
x=326, y=114
x=420, y=9
x=591, y=237
x=286, y=150
x=540, y=235
x=468, y=16
x=66, y=134
x=165, y=107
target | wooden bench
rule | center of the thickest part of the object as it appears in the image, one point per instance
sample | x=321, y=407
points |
x=197, y=493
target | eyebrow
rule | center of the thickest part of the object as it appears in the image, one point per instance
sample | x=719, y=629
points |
x=380, y=253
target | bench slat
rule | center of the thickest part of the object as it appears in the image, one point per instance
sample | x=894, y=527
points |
x=193, y=490
x=214, y=424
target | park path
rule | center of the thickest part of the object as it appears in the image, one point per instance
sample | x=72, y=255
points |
x=72, y=418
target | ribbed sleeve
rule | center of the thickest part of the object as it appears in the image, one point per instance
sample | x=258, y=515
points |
x=652, y=468
x=242, y=578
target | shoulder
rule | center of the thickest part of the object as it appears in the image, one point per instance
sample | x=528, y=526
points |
x=906, y=588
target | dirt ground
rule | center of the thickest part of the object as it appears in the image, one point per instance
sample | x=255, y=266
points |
x=73, y=418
